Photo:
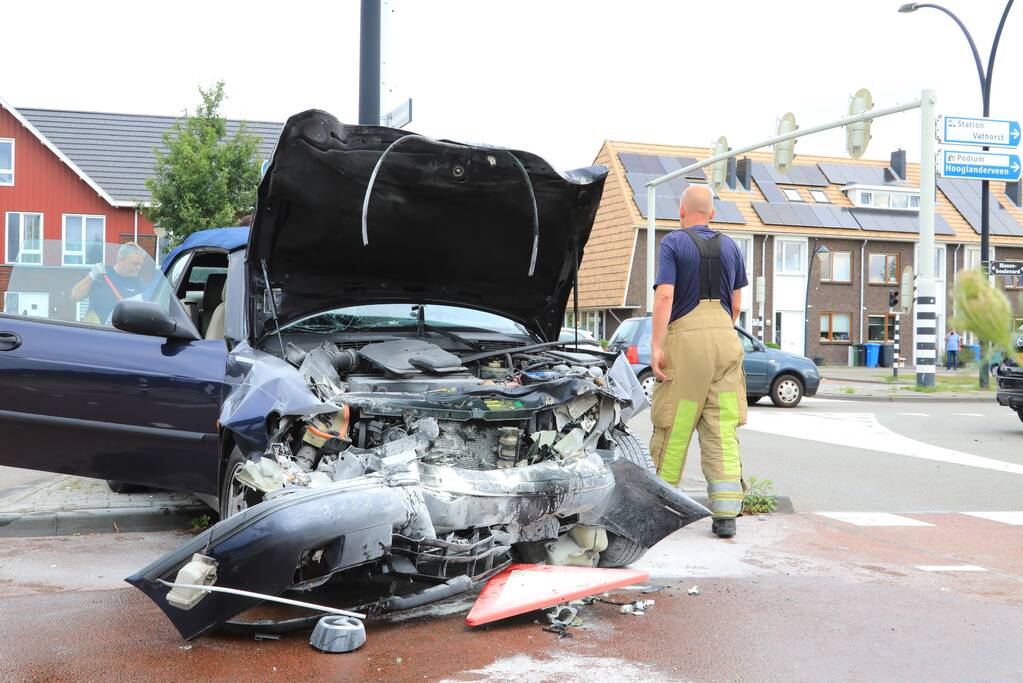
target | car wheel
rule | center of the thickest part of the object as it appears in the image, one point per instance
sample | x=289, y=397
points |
x=234, y=495
x=649, y=383
x=750, y=400
x=620, y=551
x=787, y=391
x=124, y=487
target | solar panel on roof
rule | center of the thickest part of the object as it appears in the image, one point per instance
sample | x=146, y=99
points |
x=727, y=212
x=799, y=174
x=766, y=213
x=806, y=216
x=896, y=221
x=965, y=197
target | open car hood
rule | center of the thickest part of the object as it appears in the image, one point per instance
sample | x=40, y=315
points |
x=448, y=223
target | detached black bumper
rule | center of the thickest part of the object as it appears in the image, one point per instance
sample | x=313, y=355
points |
x=1010, y=388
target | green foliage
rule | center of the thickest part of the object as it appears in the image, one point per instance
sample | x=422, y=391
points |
x=205, y=179
x=760, y=497
x=772, y=345
x=850, y=390
x=604, y=343
x=201, y=523
x=983, y=309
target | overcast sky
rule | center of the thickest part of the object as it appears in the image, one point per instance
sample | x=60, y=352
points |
x=555, y=77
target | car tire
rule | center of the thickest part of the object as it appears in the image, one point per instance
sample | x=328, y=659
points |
x=649, y=382
x=750, y=400
x=125, y=487
x=235, y=496
x=786, y=391
x=621, y=552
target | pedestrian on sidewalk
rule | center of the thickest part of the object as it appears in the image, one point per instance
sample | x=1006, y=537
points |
x=951, y=350
x=697, y=358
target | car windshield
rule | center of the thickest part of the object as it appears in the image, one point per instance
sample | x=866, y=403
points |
x=405, y=316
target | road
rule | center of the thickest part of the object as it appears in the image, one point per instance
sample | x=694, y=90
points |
x=936, y=456
x=904, y=562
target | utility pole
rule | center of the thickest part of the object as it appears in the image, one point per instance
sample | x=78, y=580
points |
x=925, y=312
x=369, y=63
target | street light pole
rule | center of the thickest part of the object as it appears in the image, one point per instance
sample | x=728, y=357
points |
x=985, y=92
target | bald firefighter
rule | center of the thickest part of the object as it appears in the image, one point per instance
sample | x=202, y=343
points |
x=697, y=357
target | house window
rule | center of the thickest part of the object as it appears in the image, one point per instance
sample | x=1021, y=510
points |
x=836, y=266
x=914, y=201
x=900, y=201
x=6, y=161
x=83, y=239
x=32, y=304
x=972, y=258
x=883, y=269
x=866, y=198
x=835, y=327
x=880, y=328
x=789, y=257
x=820, y=197
x=792, y=194
x=24, y=237
x=588, y=320
x=1014, y=282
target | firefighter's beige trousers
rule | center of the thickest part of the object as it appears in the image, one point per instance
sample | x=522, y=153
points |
x=706, y=390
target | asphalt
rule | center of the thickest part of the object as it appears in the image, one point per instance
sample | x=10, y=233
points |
x=793, y=597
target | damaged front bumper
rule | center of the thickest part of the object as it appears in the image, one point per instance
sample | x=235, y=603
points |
x=392, y=525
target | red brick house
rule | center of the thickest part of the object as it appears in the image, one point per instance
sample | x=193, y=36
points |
x=71, y=181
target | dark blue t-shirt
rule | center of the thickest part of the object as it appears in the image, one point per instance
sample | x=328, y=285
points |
x=678, y=263
x=102, y=298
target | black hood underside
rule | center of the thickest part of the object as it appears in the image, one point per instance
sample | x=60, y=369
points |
x=493, y=229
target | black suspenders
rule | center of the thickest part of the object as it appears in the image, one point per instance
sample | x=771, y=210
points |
x=710, y=264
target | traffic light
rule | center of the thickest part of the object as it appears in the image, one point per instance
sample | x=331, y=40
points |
x=784, y=152
x=857, y=135
x=719, y=170
x=893, y=298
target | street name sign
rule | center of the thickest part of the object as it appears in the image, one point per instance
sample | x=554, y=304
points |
x=979, y=165
x=1008, y=268
x=961, y=130
x=399, y=117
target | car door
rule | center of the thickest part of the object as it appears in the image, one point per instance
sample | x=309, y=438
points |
x=86, y=399
x=754, y=364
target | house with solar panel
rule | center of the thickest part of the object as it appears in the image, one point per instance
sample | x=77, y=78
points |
x=829, y=239
x=71, y=181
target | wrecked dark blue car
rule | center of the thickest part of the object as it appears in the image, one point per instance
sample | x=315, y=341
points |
x=383, y=403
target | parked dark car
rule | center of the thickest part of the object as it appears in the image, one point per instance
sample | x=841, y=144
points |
x=368, y=385
x=785, y=377
x=1010, y=380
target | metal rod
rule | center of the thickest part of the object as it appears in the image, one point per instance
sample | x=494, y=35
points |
x=651, y=187
x=262, y=596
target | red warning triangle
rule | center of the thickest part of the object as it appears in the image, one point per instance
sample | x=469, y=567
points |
x=524, y=587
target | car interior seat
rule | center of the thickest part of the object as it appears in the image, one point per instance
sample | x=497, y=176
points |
x=215, y=328
x=212, y=296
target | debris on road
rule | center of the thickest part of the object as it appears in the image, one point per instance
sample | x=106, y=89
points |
x=338, y=634
x=695, y=590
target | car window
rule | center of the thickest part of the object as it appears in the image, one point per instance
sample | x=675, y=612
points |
x=747, y=343
x=625, y=332
x=44, y=288
x=645, y=336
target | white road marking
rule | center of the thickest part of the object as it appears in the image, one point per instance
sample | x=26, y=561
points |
x=969, y=414
x=916, y=414
x=950, y=568
x=1005, y=517
x=873, y=519
x=862, y=430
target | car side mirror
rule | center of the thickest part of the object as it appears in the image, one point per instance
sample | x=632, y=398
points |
x=146, y=317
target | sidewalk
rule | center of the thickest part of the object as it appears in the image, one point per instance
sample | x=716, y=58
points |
x=877, y=384
x=64, y=505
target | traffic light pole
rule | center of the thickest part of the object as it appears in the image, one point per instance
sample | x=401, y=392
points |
x=651, y=187
x=925, y=312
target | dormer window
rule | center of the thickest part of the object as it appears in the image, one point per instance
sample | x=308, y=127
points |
x=883, y=198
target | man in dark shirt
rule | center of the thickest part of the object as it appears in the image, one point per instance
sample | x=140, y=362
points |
x=105, y=287
x=697, y=357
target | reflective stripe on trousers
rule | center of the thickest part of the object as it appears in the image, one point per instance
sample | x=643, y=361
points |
x=706, y=391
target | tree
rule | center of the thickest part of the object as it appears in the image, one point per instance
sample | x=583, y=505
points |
x=205, y=179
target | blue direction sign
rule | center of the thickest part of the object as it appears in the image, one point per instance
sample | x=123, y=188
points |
x=962, y=130
x=980, y=165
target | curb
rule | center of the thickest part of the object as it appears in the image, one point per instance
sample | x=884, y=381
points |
x=113, y=520
x=908, y=399
x=784, y=502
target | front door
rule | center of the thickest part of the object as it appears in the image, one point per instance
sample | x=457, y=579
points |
x=792, y=332
x=86, y=399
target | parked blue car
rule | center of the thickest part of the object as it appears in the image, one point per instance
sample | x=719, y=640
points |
x=785, y=377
